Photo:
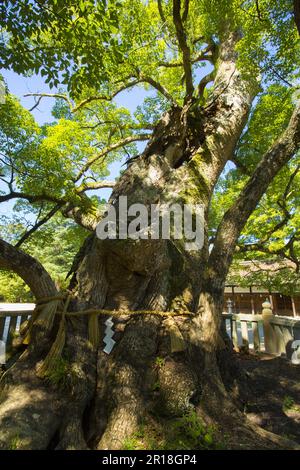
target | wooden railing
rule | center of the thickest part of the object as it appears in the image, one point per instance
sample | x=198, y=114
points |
x=265, y=333
x=10, y=323
x=262, y=333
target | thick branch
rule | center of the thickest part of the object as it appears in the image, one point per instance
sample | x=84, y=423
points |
x=94, y=185
x=30, y=197
x=158, y=87
x=130, y=84
x=227, y=110
x=84, y=102
x=297, y=14
x=86, y=220
x=236, y=217
x=28, y=268
x=186, y=53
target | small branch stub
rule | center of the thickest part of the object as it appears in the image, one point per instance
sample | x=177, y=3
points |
x=269, y=334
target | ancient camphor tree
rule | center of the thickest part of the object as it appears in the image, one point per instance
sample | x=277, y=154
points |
x=193, y=127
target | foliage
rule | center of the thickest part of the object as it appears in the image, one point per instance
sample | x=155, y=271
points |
x=79, y=32
x=183, y=433
x=159, y=362
x=14, y=443
x=49, y=160
x=59, y=375
x=13, y=289
x=289, y=404
x=95, y=42
x=156, y=386
x=55, y=246
x=89, y=52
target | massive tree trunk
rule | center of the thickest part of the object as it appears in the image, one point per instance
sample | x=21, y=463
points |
x=161, y=366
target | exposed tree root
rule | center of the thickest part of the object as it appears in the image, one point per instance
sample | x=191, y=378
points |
x=31, y=410
x=35, y=414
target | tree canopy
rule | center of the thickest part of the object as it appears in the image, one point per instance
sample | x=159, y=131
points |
x=217, y=125
x=89, y=52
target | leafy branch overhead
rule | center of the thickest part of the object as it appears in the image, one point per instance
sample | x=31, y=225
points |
x=91, y=53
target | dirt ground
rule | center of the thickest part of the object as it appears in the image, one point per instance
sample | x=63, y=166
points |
x=273, y=401
x=274, y=394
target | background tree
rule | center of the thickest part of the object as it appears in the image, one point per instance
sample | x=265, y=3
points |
x=193, y=127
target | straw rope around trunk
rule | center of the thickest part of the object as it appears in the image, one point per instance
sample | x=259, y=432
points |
x=50, y=306
x=45, y=367
x=41, y=303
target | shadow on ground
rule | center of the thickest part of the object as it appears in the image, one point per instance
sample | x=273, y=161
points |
x=274, y=394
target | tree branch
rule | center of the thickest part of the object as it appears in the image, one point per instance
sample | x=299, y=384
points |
x=94, y=185
x=161, y=11
x=28, y=268
x=121, y=143
x=204, y=82
x=236, y=217
x=30, y=197
x=37, y=102
x=141, y=79
x=186, y=10
x=297, y=14
x=227, y=109
x=49, y=95
x=287, y=251
x=158, y=87
x=186, y=53
x=85, y=219
x=104, y=97
x=38, y=224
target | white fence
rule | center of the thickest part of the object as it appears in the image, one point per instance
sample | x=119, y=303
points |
x=11, y=318
x=265, y=333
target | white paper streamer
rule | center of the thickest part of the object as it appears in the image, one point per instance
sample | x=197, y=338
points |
x=109, y=342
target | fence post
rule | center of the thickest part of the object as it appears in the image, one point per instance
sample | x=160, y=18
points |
x=295, y=359
x=2, y=353
x=269, y=334
x=229, y=306
x=233, y=325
